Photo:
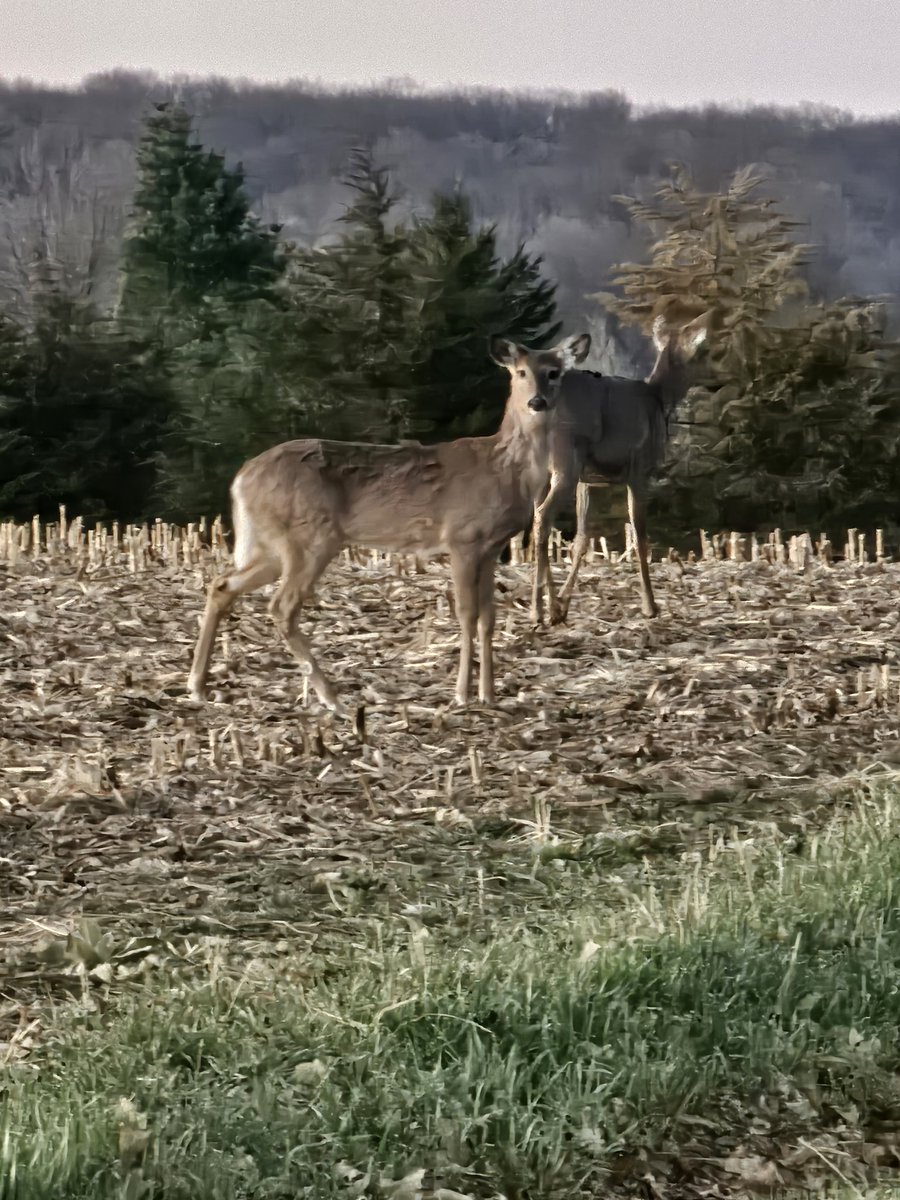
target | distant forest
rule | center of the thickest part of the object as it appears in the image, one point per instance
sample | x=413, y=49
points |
x=545, y=169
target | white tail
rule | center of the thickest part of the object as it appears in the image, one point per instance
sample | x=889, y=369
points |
x=295, y=506
x=243, y=532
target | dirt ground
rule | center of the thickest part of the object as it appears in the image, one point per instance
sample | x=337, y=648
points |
x=762, y=693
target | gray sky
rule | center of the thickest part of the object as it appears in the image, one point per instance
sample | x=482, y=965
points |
x=844, y=53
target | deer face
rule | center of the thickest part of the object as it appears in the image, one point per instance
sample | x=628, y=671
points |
x=536, y=375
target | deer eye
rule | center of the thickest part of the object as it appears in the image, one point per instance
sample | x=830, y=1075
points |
x=553, y=375
x=521, y=372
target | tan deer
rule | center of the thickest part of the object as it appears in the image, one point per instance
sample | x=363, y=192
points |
x=298, y=504
x=611, y=430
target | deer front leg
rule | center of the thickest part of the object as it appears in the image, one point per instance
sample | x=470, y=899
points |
x=486, y=620
x=540, y=538
x=464, y=568
x=222, y=594
x=582, y=505
x=539, y=552
x=637, y=512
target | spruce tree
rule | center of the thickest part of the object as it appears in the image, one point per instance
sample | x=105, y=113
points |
x=20, y=458
x=239, y=390
x=352, y=311
x=82, y=409
x=202, y=273
x=463, y=294
x=193, y=237
x=379, y=335
x=393, y=319
x=800, y=424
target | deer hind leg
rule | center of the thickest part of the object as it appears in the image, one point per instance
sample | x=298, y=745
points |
x=637, y=512
x=582, y=505
x=297, y=582
x=222, y=594
x=466, y=572
x=486, y=621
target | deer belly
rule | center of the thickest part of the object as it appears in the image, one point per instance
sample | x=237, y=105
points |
x=395, y=529
x=434, y=519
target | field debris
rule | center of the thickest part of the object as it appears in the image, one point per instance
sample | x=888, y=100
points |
x=769, y=683
x=141, y=829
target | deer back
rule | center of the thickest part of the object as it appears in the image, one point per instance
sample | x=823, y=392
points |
x=607, y=426
x=405, y=497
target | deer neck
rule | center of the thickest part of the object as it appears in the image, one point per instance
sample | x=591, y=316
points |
x=671, y=377
x=523, y=446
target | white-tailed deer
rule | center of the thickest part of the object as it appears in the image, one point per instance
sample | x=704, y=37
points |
x=298, y=504
x=611, y=430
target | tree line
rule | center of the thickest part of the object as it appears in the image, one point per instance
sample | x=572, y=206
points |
x=541, y=166
x=225, y=336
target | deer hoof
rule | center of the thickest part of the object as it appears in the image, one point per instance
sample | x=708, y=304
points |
x=650, y=611
x=329, y=700
x=558, y=614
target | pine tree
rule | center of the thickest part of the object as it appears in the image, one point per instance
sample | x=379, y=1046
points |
x=392, y=320
x=193, y=236
x=240, y=390
x=381, y=334
x=812, y=440
x=800, y=426
x=20, y=459
x=351, y=306
x=202, y=273
x=464, y=293
x=82, y=408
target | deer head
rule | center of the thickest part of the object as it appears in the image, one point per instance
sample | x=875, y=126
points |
x=686, y=340
x=536, y=375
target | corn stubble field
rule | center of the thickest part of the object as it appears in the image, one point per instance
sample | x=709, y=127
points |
x=630, y=931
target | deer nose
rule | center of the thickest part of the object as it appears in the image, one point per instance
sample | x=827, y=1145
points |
x=537, y=403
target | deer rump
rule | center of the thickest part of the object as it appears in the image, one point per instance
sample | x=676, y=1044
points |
x=406, y=498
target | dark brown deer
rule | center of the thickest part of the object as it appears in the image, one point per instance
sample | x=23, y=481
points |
x=298, y=504
x=611, y=430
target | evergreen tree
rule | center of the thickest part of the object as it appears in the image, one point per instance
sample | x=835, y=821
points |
x=352, y=308
x=239, y=391
x=202, y=273
x=193, y=237
x=464, y=293
x=801, y=425
x=381, y=334
x=20, y=460
x=392, y=321
x=82, y=408
x=810, y=441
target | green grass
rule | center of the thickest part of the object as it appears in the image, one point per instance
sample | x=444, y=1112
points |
x=761, y=987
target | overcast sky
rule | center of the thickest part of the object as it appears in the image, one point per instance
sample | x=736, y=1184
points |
x=844, y=53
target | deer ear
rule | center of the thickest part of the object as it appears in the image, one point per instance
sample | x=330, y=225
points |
x=573, y=350
x=660, y=333
x=504, y=352
x=695, y=337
